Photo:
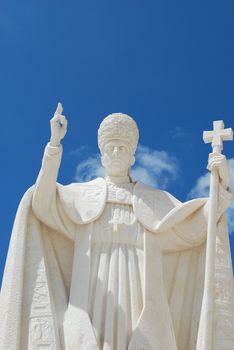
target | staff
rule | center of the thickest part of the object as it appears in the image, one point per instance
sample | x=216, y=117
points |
x=205, y=334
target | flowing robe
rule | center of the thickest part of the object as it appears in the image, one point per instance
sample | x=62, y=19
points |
x=119, y=296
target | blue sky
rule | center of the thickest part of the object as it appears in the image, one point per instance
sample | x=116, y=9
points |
x=169, y=64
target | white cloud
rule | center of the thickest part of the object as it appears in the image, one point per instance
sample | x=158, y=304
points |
x=89, y=169
x=153, y=167
x=201, y=189
x=79, y=151
x=178, y=133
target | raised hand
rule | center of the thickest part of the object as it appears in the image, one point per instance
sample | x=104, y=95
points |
x=58, y=125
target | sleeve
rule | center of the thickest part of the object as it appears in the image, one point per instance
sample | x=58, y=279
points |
x=192, y=231
x=46, y=203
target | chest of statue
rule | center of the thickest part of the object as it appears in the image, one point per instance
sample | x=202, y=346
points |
x=85, y=203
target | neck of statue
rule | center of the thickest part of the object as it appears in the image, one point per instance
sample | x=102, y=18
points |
x=117, y=179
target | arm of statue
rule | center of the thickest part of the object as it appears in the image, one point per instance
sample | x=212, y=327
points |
x=200, y=218
x=45, y=202
x=192, y=231
x=219, y=162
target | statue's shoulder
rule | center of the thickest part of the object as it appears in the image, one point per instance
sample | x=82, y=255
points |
x=149, y=193
x=96, y=184
x=151, y=205
x=84, y=201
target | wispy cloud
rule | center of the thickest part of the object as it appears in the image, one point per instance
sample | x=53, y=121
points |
x=79, y=151
x=153, y=167
x=178, y=133
x=201, y=189
x=89, y=169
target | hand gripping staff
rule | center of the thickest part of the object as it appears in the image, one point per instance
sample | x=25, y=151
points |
x=205, y=333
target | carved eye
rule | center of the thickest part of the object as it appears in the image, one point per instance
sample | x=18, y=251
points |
x=109, y=149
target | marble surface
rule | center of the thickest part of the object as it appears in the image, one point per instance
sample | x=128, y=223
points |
x=113, y=264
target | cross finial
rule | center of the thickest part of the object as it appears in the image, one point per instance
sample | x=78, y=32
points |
x=217, y=136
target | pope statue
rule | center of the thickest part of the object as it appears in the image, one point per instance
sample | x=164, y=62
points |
x=113, y=264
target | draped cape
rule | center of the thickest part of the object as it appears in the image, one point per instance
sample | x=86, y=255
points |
x=37, y=278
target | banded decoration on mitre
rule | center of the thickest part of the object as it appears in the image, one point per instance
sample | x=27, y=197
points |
x=118, y=126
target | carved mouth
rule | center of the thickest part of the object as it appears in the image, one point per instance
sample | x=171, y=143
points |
x=116, y=161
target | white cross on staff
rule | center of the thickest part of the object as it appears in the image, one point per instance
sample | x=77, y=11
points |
x=205, y=334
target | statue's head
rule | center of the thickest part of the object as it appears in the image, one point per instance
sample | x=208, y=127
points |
x=117, y=140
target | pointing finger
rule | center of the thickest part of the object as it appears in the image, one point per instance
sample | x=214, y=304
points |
x=59, y=109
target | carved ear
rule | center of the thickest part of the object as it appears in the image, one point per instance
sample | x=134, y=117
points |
x=102, y=161
x=133, y=160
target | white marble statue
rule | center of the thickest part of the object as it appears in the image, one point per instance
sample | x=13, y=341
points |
x=113, y=264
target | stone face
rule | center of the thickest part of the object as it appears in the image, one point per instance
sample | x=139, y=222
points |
x=111, y=264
